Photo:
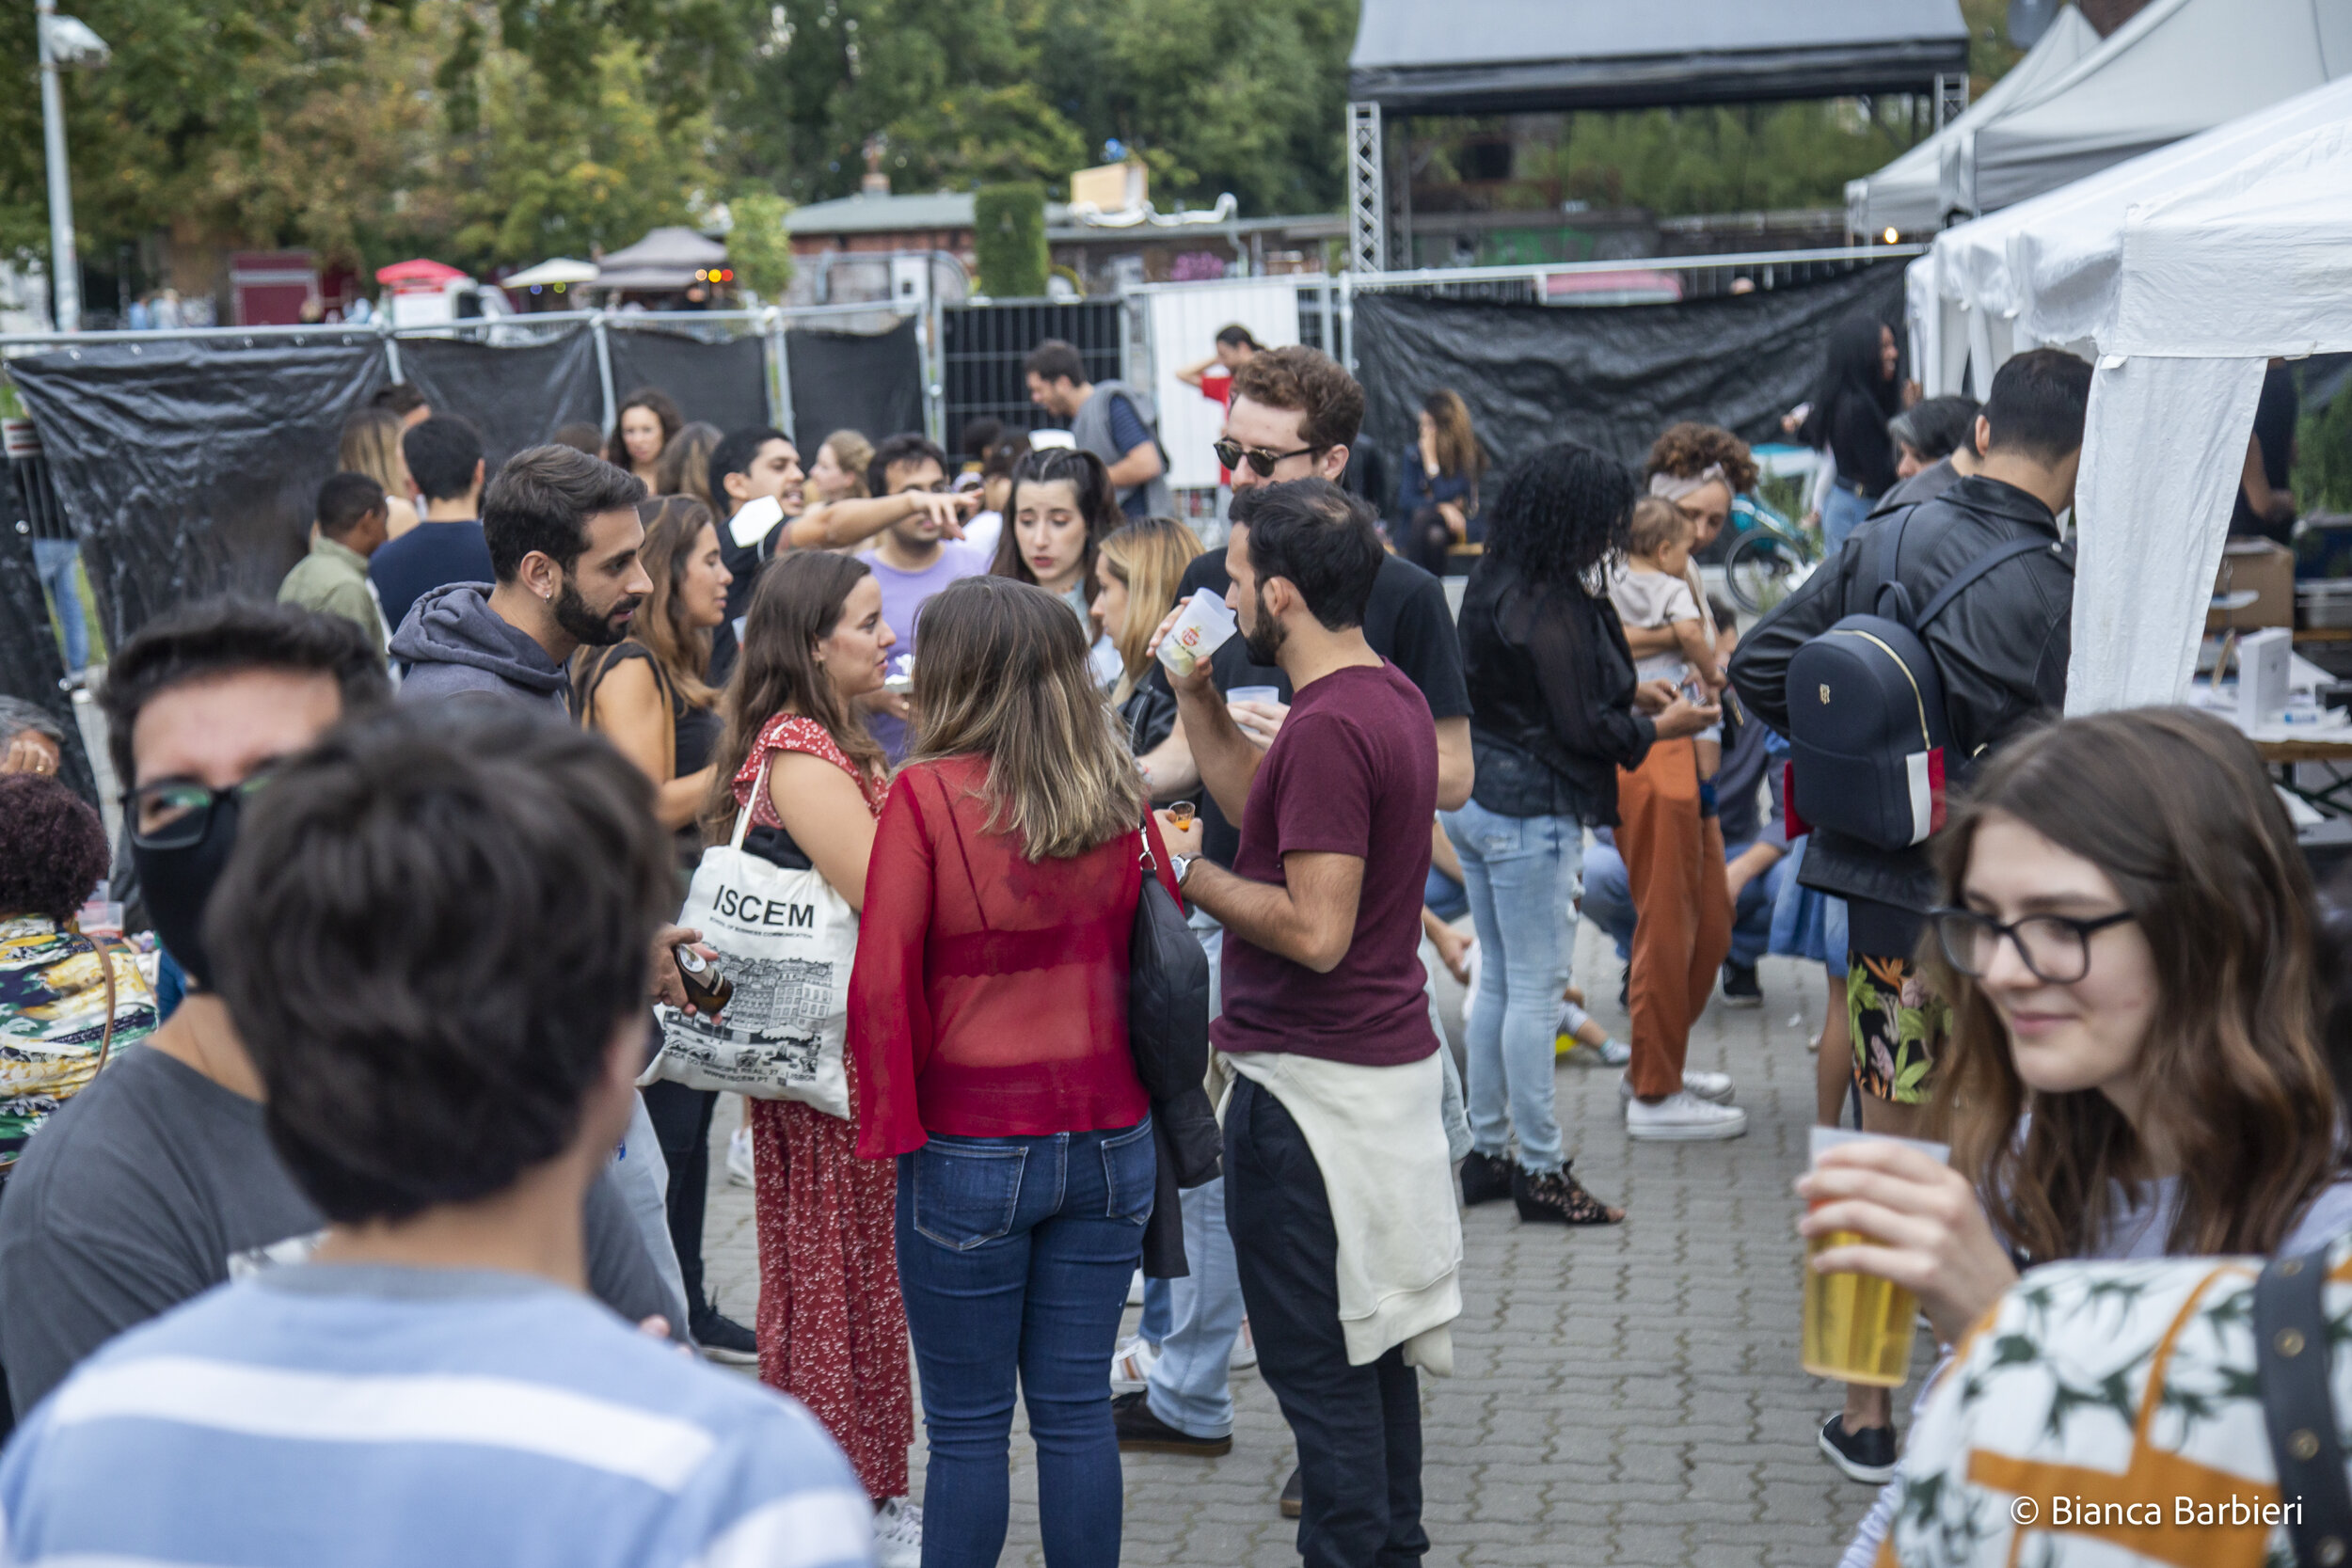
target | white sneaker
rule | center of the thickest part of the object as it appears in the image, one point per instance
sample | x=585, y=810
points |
x=898, y=1534
x=740, y=1157
x=1131, y=1365
x=1615, y=1052
x=1244, y=1349
x=1683, y=1118
x=1706, y=1086
x=1134, y=1290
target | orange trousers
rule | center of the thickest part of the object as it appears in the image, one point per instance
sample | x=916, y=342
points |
x=1674, y=865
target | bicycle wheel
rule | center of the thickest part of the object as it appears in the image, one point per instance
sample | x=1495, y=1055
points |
x=1763, y=568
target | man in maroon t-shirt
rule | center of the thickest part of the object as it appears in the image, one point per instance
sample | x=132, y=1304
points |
x=1322, y=916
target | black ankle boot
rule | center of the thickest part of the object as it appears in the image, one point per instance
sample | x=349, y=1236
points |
x=1558, y=1199
x=1485, y=1179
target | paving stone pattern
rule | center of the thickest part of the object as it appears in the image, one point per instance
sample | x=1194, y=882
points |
x=1628, y=1395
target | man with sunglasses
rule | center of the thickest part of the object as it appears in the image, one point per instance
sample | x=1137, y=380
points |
x=158, y=1182
x=1293, y=415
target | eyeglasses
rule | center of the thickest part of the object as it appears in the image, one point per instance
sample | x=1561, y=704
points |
x=2055, y=947
x=174, y=813
x=1231, y=453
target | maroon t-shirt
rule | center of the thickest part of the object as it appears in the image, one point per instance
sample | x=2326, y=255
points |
x=1353, y=772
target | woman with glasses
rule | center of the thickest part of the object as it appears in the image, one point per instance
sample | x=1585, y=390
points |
x=2135, y=1063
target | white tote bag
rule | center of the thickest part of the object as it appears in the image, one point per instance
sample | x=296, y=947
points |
x=786, y=939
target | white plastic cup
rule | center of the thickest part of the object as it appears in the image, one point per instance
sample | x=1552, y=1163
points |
x=1254, y=694
x=1199, y=632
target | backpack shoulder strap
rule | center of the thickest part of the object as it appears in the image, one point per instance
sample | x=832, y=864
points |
x=2291, y=1346
x=1975, y=569
x=1890, y=582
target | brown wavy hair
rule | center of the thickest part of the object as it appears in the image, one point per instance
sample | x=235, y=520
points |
x=1686, y=450
x=2174, y=807
x=798, y=602
x=1458, y=451
x=685, y=466
x=1004, y=676
x=672, y=523
x=661, y=406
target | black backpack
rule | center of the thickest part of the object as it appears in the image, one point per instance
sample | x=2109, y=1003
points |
x=1866, y=722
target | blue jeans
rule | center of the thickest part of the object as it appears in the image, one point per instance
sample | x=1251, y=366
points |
x=1609, y=902
x=1842, y=512
x=1522, y=874
x=1199, y=1316
x=1014, y=1256
x=54, y=559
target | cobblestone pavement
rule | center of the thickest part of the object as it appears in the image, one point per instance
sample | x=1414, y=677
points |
x=1621, y=1396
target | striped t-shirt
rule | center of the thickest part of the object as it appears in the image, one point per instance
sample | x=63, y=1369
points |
x=362, y=1416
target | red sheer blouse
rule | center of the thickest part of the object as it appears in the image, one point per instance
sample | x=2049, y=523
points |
x=990, y=994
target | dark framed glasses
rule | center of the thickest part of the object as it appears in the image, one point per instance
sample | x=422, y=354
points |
x=1232, y=454
x=2055, y=947
x=174, y=813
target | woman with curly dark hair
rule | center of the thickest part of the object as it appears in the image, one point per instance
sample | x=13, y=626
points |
x=1555, y=712
x=64, y=1002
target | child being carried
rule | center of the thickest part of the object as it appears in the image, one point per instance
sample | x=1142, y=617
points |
x=1654, y=590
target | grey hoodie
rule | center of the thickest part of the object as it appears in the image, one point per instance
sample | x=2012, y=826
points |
x=451, y=641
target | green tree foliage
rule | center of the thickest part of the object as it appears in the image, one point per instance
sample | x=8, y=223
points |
x=559, y=172
x=1722, y=159
x=759, y=247
x=1009, y=239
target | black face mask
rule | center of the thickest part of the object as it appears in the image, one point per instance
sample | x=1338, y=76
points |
x=176, y=884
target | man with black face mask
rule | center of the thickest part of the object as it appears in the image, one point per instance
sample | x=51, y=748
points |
x=563, y=536
x=158, y=1180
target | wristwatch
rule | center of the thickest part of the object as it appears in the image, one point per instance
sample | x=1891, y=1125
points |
x=1183, y=864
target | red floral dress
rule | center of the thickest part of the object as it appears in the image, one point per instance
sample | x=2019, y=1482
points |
x=832, y=1328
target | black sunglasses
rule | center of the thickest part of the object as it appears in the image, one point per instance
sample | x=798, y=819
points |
x=2055, y=947
x=173, y=814
x=1230, y=453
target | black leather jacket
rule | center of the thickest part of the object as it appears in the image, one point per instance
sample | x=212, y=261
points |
x=1551, y=697
x=2001, y=649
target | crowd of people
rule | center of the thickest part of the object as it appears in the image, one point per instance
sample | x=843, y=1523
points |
x=416, y=842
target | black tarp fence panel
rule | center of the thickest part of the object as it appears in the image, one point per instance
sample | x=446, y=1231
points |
x=519, y=394
x=192, y=466
x=720, y=381
x=867, y=382
x=1610, y=377
x=30, y=664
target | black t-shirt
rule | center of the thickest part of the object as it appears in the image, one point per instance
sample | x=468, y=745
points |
x=154, y=1184
x=1406, y=621
x=429, y=555
x=2274, y=436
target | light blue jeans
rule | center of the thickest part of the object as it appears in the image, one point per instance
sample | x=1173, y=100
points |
x=1842, y=512
x=1524, y=875
x=1191, y=1384
x=54, y=559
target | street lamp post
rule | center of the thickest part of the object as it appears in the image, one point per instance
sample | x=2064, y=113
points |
x=63, y=41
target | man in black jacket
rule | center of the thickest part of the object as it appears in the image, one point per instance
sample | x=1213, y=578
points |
x=2001, y=649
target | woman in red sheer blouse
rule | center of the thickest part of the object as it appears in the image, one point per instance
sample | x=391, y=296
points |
x=832, y=1331
x=988, y=1045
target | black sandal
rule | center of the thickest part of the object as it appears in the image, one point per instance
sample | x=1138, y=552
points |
x=1558, y=1199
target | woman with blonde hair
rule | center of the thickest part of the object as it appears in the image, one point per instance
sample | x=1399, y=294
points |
x=838, y=472
x=370, y=446
x=988, y=1046
x=1137, y=572
x=649, y=419
x=1436, y=500
x=833, y=1332
x=685, y=466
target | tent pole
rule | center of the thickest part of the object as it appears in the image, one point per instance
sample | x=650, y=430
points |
x=604, y=370
x=391, y=345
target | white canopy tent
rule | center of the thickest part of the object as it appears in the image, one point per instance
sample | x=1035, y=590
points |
x=2045, y=271
x=1906, y=194
x=2177, y=68
x=2213, y=280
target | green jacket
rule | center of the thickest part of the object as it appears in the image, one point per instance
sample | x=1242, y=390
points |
x=333, y=579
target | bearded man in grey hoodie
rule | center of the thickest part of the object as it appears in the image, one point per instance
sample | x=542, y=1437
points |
x=563, y=536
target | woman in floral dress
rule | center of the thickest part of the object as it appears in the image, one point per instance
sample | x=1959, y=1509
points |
x=833, y=1329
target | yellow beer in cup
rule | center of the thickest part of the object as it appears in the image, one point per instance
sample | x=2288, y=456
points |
x=1858, y=1329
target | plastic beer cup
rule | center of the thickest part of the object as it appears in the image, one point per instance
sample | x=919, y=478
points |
x=1199, y=632
x=1858, y=1329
